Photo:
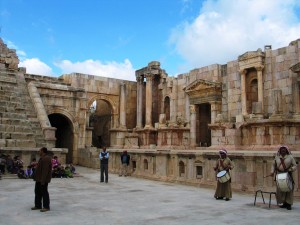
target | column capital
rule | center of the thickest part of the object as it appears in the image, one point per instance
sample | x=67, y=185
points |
x=243, y=71
x=149, y=77
x=192, y=108
x=259, y=68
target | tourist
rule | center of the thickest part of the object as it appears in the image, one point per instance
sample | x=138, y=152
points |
x=104, y=155
x=125, y=159
x=284, y=163
x=42, y=179
x=28, y=172
x=9, y=164
x=18, y=164
x=55, y=162
x=223, y=164
x=21, y=173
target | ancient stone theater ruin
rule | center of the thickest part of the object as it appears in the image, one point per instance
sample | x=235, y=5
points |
x=172, y=127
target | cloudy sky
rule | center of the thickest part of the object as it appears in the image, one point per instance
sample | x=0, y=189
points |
x=113, y=38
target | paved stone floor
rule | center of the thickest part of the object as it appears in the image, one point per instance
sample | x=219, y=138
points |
x=130, y=201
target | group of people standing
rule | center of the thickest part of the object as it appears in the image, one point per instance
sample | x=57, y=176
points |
x=283, y=164
x=104, y=156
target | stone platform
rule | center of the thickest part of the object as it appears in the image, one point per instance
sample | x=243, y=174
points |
x=83, y=200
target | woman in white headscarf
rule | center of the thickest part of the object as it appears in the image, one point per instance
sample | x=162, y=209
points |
x=223, y=164
x=284, y=163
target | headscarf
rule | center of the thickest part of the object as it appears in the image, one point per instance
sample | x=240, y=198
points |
x=223, y=150
x=287, y=149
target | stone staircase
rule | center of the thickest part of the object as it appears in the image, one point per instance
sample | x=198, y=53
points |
x=19, y=125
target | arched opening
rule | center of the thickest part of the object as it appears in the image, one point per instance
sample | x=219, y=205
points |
x=181, y=169
x=64, y=133
x=167, y=107
x=100, y=119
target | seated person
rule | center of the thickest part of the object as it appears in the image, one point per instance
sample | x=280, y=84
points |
x=21, y=173
x=28, y=172
x=68, y=172
x=55, y=162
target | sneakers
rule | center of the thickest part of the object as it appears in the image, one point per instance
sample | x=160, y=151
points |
x=44, y=210
x=35, y=208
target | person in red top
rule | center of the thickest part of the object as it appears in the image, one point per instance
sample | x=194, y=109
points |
x=42, y=177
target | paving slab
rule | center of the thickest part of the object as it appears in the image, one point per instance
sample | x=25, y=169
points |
x=83, y=200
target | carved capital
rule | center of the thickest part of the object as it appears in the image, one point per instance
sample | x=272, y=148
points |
x=192, y=109
x=243, y=71
x=259, y=68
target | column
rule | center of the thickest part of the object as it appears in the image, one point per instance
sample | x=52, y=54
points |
x=244, y=96
x=193, y=125
x=139, y=98
x=173, y=102
x=260, y=86
x=187, y=110
x=149, y=82
x=123, y=106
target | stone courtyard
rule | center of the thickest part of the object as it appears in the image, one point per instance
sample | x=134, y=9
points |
x=132, y=201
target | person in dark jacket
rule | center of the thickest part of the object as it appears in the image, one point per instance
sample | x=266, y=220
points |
x=42, y=178
x=125, y=159
x=104, y=155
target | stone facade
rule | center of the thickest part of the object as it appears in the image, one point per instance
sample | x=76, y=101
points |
x=173, y=127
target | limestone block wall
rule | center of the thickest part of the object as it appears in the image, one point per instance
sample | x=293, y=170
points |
x=196, y=168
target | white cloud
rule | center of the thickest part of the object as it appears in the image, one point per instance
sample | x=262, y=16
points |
x=123, y=71
x=36, y=66
x=225, y=29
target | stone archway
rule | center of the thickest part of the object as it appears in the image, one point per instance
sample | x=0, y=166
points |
x=101, y=119
x=64, y=134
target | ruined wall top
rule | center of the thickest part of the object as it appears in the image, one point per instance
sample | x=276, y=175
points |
x=8, y=57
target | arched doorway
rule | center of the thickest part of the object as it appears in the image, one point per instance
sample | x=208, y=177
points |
x=64, y=134
x=100, y=120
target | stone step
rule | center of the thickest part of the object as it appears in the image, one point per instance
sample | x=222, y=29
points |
x=17, y=135
x=9, y=176
x=17, y=143
x=12, y=121
x=14, y=128
x=10, y=103
x=14, y=115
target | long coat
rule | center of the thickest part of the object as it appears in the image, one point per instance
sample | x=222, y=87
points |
x=223, y=189
x=277, y=167
x=43, y=171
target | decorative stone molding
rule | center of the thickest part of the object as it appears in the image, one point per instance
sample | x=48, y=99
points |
x=251, y=59
x=203, y=91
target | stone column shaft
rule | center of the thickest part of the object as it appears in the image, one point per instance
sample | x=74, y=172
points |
x=243, y=92
x=139, y=102
x=149, y=93
x=193, y=125
x=123, y=106
x=260, y=87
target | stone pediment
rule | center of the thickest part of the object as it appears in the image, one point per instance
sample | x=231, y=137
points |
x=251, y=59
x=202, y=91
x=295, y=68
x=201, y=85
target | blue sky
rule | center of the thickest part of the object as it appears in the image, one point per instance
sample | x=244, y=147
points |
x=113, y=38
